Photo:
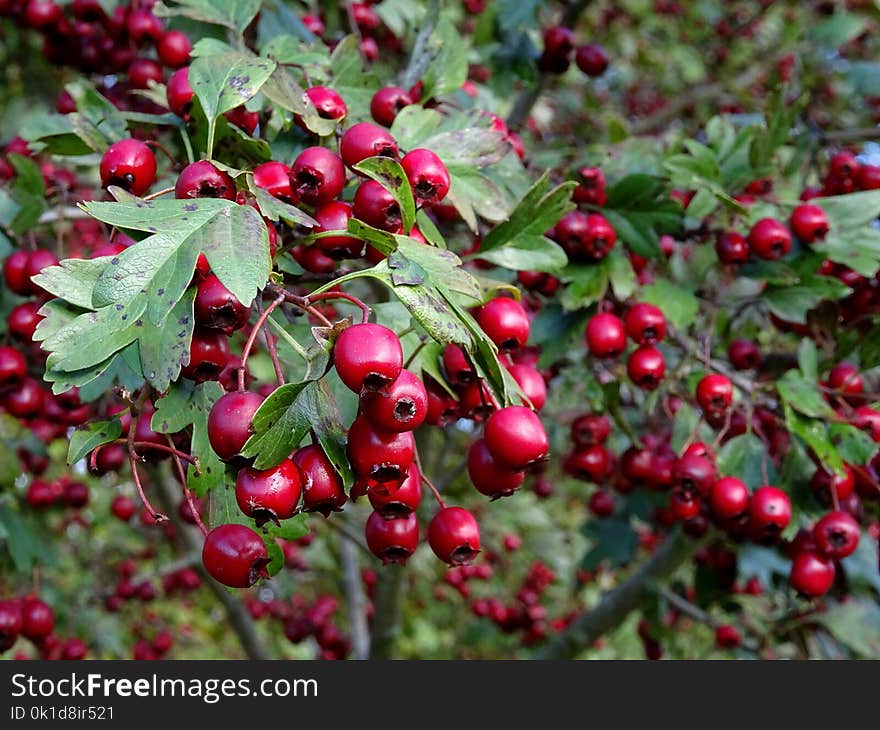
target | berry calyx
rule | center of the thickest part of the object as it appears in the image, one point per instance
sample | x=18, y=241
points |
x=402, y=405
x=271, y=494
x=427, y=176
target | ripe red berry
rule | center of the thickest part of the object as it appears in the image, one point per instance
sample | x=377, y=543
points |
x=684, y=504
x=645, y=324
x=235, y=556
x=454, y=536
x=694, y=474
x=376, y=206
x=458, y=369
x=427, y=176
x=173, y=49
x=442, y=407
x=274, y=178
x=836, y=535
x=334, y=216
x=589, y=429
x=387, y=103
x=601, y=503
x=811, y=574
x=605, y=336
x=365, y=140
x=208, y=355
x=809, y=223
x=142, y=71
x=769, y=239
x=714, y=393
x=394, y=540
x=317, y=175
x=367, y=356
x=327, y=102
x=322, y=487
x=490, y=478
x=646, y=367
x=599, y=238
x=402, y=405
x=216, y=307
x=37, y=619
x=846, y=377
x=727, y=637
x=729, y=498
x=202, y=180
x=269, y=494
x=516, y=438
x=123, y=508
x=26, y=399
x=13, y=366
x=229, y=422
x=592, y=59
x=732, y=248
x=868, y=177
x=23, y=320
x=843, y=165
x=15, y=272
x=403, y=500
x=179, y=93
x=744, y=354
x=589, y=463
x=76, y=495
x=10, y=623
x=129, y=164
x=505, y=322
x=532, y=384
x=379, y=457
x=769, y=512
x=864, y=417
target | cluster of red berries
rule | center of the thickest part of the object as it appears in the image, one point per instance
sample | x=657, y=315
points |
x=559, y=45
x=366, y=22
x=31, y=618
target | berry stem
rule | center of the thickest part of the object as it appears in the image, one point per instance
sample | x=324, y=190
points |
x=429, y=484
x=248, y=346
x=300, y=302
x=683, y=606
x=133, y=459
x=365, y=309
x=187, y=493
x=159, y=193
x=159, y=146
x=158, y=447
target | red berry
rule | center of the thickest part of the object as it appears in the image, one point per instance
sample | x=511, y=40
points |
x=142, y=25
x=334, y=216
x=592, y=187
x=274, y=178
x=868, y=177
x=769, y=239
x=179, y=93
x=685, y=505
x=843, y=165
x=864, y=417
x=365, y=140
x=367, y=356
x=729, y=498
x=605, y=336
x=23, y=320
x=208, y=355
x=769, y=512
x=235, y=556
x=229, y=422
x=379, y=457
x=122, y=507
x=13, y=366
x=173, y=49
x=837, y=535
x=727, y=637
x=516, y=438
x=809, y=223
x=217, y=308
x=37, y=619
x=589, y=463
x=387, y=103
x=490, y=478
x=601, y=503
x=271, y=494
x=129, y=164
x=646, y=367
x=811, y=574
x=327, y=102
x=403, y=500
x=732, y=248
x=142, y=71
x=202, y=180
x=592, y=59
x=532, y=384
x=694, y=474
x=376, y=206
x=317, y=175
x=394, y=540
x=26, y=399
x=457, y=367
x=322, y=487
x=10, y=622
x=744, y=354
x=505, y=322
x=645, y=324
x=15, y=273
x=454, y=536
x=427, y=176
x=590, y=429
x=599, y=237
x=846, y=377
x=714, y=394
x=402, y=405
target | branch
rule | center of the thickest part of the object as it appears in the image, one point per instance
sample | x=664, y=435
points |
x=386, y=616
x=355, y=598
x=421, y=57
x=851, y=135
x=618, y=603
x=683, y=606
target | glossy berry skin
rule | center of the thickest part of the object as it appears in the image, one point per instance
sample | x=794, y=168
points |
x=387, y=103
x=229, y=422
x=15, y=272
x=532, y=384
x=13, y=366
x=179, y=93
x=732, y=248
x=202, y=180
x=459, y=371
x=379, y=457
x=505, y=322
x=836, y=535
x=744, y=354
x=605, y=336
x=809, y=223
x=645, y=324
x=714, y=393
x=694, y=474
x=591, y=59
x=684, y=505
x=846, y=377
x=208, y=355
x=589, y=463
x=811, y=574
x=144, y=70
x=26, y=399
x=864, y=417
x=769, y=512
x=123, y=508
x=843, y=164
x=10, y=622
x=269, y=494
x=489, y=477
x=367, y=356
x=365, y=140
x=129, y=164
x=37, y=261
x=600, y=237
x=590, y=429
x=37, y=619
x=475, y=401
x=334, y=216
x=235, y=556
x=516, y=438
x=769, y=239
x=403, y=500
x=322, y=487
x=317, y=176
x=274, y=178
x=454, y=536
x=376, y=206
x=173, y=49
x=216, y=308
x=402, y=405
x=729, y=498
x=427, y=176
x=394, y=540
x=327, y=102
x=646, y=367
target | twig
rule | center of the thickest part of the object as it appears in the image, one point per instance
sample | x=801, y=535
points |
x=347, y=534
x=851, y=135
x=682, y=605
x=386, y=616
x=245, y=353
x=187, y=493
x=133, y=459
x=365, y=309
x=158, y=447
x=355, y=598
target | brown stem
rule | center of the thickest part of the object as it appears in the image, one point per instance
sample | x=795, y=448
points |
x=133, y=459
x=365, y=310
x=248, y=346
x=146, y=445
x=187, y=493
x=682, y=605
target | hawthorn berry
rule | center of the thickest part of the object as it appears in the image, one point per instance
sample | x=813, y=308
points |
x=208, y=355
x=229, y=422
x=364, y=140
x=392, y=540
x=13, y=366
x=505, y=322
x=601, y=503
x=605, y=336
x=728, y=498
x=454, y=536
x=274, y=178
x=836, y=535
x=235, y=556
x=129, y=164
x=377, y=207
x=809, y=223
x=217, y=308
x=457, y=367
x=811, y=574
x=123, y=508
x=37, y=619
x=516, y=438
x=646, y=367
x=381, y=458
x=590, y=429
x=714, y=393
x=532, y=384
x=387, y=103
x=490, y=478
x=402, y=501
x=744, y=354
x=328, y=103
x=174, y=48
x=732, y=248
x=591, y=59
x=367, y=356
x=269, y=494
x=402, y=405
x=334, y=216
x=588, y=463
x=845, y=377
x=202, y=180
x=769, y=512
x=645, y=324
x=317, y=175
x=769, y=239
x=427, y=176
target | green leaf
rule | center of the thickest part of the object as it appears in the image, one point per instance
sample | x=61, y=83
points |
x=23, y=540
x=474, y=194
x=390, y=175
x=233, y=14
x=28, y=191
x=88, y=437
x=329, y=430
x=679, y=305
x=164, y=350
x=414, y=125
x=612, y=405
x=275, y=209
x=639, y=208
x=527, y=253
x=814, y=433
x=621, y=274
x=808, y=359
x=838, y=29
x=471, y=147
x=280, y=424
x=803, y=395
x=742, y=457
x=72, y=280
x=283, y=89
x=792, y=302
x=854, y=445
x=614, y=543
x=587, y=283
x=449, y=66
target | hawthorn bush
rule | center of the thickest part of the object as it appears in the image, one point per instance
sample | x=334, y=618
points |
x=439, y=330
